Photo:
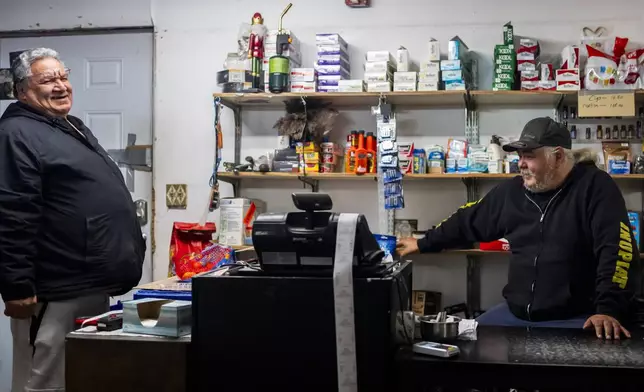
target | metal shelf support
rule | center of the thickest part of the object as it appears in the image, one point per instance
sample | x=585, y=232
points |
x=314, y=184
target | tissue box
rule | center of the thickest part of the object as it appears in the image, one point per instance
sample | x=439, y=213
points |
x=303, y=75
x=331, y=39
x=434, y=50
x=450, y=65
x=456, y=49
x=428, y=86
x=405, y=77
x=405, y=86
x=379, y=66
x=161, y=317
x=351, y=86
x=402, y=60
x=303, y=87
x=379, y=87
x=380, y=55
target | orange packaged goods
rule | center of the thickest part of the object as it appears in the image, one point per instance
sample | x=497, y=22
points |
x=188, y=240
x=362, y=161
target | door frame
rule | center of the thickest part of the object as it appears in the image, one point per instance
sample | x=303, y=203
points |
x=7, y=34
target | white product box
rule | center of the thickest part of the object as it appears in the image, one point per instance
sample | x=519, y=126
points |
x=450, y=65
x=404, y=86
x=237, y=216
x=550, y=85
x=330, y=39
x=525, y=56
x=455, y=85
x=430, y=66
x=434, y=50
x=405, y=77
x=333, y=77
x=428, y=86
x=570, y=57
x=371, y=77
x=303, y=87
x=429, y=76
x=331, y=69
x=568, y=85
x=452, y=75
x=334, y=59
x=328, y=89
x=380, y=55
x=351, y=86
x=530, y=86
x=303, y=75
x=402, y=60
x=325, y=50
x=379, y=87
x=379, y=66
x=571, y=74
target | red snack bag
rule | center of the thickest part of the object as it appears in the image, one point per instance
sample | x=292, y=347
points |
x=188, y=240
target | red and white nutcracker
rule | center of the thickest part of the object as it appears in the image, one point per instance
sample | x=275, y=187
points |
x=256, y=47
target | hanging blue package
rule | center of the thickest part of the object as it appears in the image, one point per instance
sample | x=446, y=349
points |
x=388, y=244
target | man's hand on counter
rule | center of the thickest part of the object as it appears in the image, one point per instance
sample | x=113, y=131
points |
x=606, y=326
x=407, y=246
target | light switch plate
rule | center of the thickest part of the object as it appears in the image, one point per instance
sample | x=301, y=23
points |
x=176, y=196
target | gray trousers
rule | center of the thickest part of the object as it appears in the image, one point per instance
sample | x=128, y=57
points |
x=39, y=342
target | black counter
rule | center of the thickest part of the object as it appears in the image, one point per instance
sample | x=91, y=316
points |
x=533, y=358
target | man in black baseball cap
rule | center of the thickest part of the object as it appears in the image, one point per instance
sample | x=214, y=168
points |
x=541, y=132
x=574, y=261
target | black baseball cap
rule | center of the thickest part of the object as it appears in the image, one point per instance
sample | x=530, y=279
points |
x=541, y=132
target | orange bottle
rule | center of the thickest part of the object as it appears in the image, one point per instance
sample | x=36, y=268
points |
x=362, y=161
x=352, y=152
x=371, y=153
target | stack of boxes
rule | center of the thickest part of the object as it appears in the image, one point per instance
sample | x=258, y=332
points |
x=332, y=64
x=404, y=79
x=429, y=75
x=270, y=49
x=310, y=157
x=505, y=61
x=379, y=70
x=568, y=76
x=455, y=71
x=304, y=80
x=527, y=57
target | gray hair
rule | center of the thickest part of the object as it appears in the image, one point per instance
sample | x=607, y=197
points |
x=21, y=66
x=575, y=156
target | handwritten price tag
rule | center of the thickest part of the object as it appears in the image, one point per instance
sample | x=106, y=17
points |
x=606, y=104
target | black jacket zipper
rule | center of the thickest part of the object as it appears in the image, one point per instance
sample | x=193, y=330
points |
x=536, y=258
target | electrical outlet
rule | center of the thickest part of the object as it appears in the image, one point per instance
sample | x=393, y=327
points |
x=176, y=196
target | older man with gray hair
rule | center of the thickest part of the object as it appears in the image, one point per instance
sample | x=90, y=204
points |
x=574, y=261
x=69, y=236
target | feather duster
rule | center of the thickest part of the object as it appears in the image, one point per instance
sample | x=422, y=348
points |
x=306, y=121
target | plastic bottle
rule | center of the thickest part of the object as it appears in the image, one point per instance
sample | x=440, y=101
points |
x=352, y=152
x=347, y=154
x=362, y=162
x=371, y=153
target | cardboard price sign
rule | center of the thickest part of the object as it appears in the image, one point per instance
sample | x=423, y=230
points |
x=606, y=104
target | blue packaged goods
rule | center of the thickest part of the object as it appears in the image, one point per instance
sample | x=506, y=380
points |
x=456, y=49
x=394, y=202
x=391, y=175
x=635, y=221
x=390, y=161
x=332, y=49
x=331, y=69
x=420, y=161
x=450, y=165
x=388, y=245
x=388, y=147
x=463, y=165
x=393, y=189
x=334, y=59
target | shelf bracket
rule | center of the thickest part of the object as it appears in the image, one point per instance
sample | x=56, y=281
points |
x=238, y=133
x=474, y=285
x=314, y=184
x=235, y=182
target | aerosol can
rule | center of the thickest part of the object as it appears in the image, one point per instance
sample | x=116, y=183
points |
x=279, y=68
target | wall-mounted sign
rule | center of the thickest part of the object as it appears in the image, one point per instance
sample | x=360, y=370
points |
x=606, y=104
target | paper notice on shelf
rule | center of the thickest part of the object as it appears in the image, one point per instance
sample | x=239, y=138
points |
x=345, y=331
x=606, y=104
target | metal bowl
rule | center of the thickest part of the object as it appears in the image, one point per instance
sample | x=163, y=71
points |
x=438, y=332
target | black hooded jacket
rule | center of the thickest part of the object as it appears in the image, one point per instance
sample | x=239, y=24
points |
x=68, y=225
x=573, y=252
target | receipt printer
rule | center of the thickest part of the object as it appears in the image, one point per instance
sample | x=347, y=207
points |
x=306, y=240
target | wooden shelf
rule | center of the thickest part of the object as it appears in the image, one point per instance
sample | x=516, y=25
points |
x=371, y=177
x=551, y=98
x=414, y=98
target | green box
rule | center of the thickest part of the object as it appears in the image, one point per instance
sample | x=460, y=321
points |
x=508, y=33
x=503, y=49
x=506, y=59
x=504, y=78
x=505, y=68
x=502, y=86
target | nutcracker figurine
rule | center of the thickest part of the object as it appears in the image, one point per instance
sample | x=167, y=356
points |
x=256, y=47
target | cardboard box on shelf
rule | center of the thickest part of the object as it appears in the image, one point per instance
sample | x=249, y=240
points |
x=237, y=215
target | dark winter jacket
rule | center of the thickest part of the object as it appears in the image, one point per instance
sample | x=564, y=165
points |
x=573, y=250
x=68, y=225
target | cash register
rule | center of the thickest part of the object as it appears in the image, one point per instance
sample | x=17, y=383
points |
x=273, y=324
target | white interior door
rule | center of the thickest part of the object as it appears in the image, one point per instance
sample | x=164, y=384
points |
x=111, y=76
